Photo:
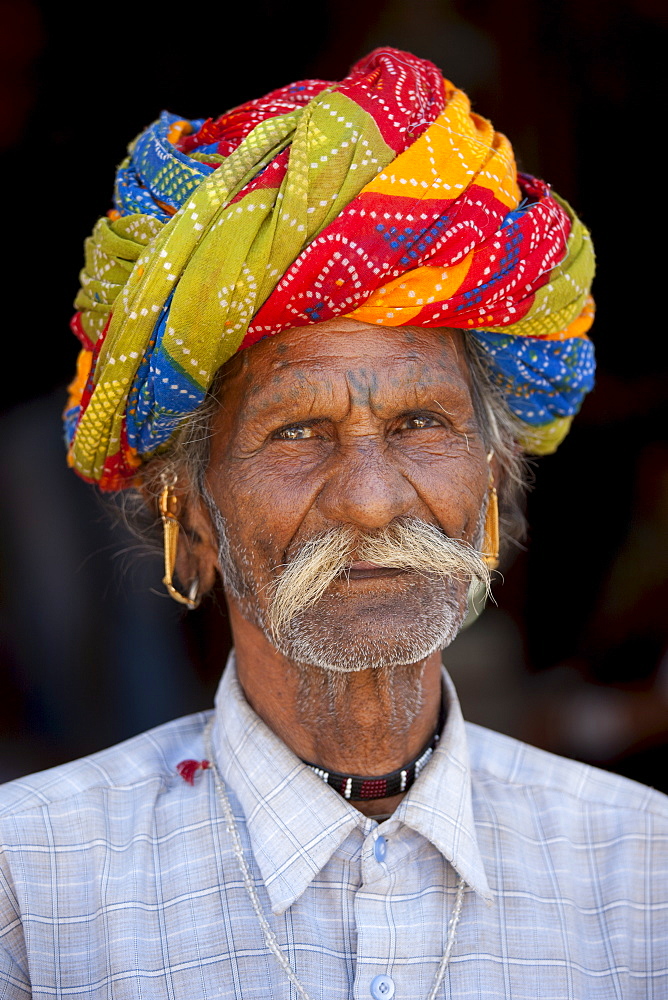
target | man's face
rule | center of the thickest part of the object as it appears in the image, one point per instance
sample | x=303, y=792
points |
x=348, y=425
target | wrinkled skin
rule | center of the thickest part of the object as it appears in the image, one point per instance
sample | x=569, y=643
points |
x=353, y=424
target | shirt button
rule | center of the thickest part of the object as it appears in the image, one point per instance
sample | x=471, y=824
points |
x=382, y=988
x=380, y=849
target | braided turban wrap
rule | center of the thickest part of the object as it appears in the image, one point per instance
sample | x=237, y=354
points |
x=382, y=198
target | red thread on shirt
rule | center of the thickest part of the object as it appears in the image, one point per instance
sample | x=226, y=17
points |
x=189, y=768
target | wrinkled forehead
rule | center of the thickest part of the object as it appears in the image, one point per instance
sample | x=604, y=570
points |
x=371, y=364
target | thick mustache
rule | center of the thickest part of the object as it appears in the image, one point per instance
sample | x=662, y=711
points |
x=407, y=543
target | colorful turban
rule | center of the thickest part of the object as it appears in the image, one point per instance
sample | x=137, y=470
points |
x=382, y=198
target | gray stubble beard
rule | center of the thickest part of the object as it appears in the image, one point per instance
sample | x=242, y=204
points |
x=321, y=636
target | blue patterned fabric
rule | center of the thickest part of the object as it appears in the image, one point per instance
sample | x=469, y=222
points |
x=162, y=394
x=157, y=172
x=542, y=380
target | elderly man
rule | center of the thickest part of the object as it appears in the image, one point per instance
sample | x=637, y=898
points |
x=317, y=335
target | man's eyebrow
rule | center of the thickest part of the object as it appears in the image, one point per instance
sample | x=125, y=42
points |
x=271, y=403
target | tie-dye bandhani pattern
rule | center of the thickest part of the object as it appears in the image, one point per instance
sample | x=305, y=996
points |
x=383, y=198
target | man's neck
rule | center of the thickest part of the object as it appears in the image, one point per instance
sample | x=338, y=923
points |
x=368, y=722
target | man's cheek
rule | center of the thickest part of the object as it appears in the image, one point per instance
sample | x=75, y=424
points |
x=258, y=549
x=243, y=497
x=269, y=549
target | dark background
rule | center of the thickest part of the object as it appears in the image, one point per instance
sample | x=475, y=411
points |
x=575, y=655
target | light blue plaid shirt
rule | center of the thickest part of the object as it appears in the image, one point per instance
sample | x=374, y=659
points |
x=118, y=879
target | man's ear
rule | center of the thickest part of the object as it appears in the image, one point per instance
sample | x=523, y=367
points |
x=197, y=553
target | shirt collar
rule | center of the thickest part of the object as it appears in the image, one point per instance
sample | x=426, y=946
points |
x=439, y=804
x=295, y=821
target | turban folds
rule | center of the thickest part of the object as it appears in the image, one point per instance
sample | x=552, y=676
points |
x=382, y=197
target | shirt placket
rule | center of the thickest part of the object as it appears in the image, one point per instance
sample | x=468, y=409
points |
x=401, y=914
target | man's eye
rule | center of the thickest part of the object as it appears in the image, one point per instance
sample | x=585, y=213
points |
x=418, y=422
x=298, y=432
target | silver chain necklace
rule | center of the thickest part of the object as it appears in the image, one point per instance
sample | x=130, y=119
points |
x=249, y=882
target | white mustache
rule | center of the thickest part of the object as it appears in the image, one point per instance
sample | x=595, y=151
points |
x=407, y=543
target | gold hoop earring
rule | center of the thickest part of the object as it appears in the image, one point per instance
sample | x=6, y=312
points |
x=490, y=542
x=170, y=537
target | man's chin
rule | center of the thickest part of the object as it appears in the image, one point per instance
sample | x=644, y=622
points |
x=345, y=636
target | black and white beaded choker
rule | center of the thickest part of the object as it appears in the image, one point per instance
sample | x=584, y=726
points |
x=355, y=786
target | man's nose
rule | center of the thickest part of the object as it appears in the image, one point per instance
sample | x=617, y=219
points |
x=365, y=489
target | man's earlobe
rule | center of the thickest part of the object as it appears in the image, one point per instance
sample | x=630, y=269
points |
x=197, y=555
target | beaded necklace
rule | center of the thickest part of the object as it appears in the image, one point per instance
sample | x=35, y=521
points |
x=354, y=786
x=251, y=889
